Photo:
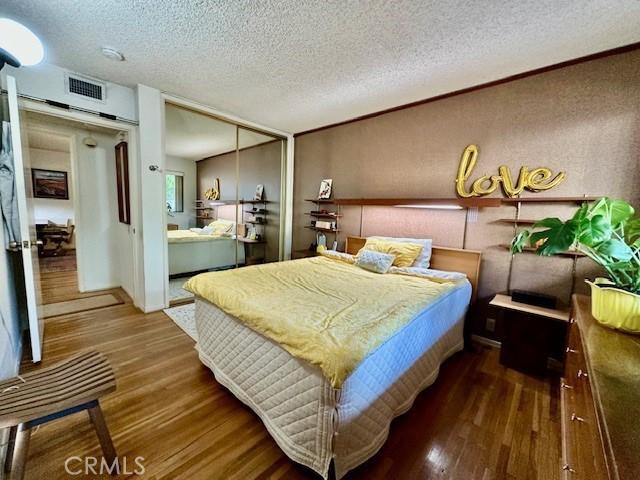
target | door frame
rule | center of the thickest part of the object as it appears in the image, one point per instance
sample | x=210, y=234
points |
x=132, y=136
x=287, y=164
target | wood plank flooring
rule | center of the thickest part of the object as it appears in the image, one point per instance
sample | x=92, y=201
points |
x=478, y=421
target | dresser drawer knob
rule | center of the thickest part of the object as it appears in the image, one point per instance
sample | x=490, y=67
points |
x=566, y=386
x=581, y=373
x=567, y=468
x=572, y=320
x=571, y=350
x=576, y=418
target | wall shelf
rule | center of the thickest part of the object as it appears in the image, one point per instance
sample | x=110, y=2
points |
x=578, y=200
x=533, y=250
x=317, y=200
x=426, y=201
x=520, y=221
x=311, y=227
x=324, y=215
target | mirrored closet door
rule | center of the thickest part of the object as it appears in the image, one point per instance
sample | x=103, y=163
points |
x=223, y=195
x=260, y=190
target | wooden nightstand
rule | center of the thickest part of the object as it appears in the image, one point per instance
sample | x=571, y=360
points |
x=532, y=336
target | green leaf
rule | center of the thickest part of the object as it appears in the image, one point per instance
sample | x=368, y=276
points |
x=558, y=238
x=632, y=231
x=581, y=213
x=621, y=211
x=520, y=241
x=615, y=249
x=594, y=231
x=550, y=222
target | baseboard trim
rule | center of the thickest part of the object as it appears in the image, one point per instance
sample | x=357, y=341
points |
x=487, y=342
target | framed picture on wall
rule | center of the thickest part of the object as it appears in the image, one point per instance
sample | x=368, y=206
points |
x=325, y=189
x=50, y=184
x=122, y=183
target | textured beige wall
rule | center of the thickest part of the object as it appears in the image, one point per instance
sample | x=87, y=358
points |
x=258, y=165
x=583, y=119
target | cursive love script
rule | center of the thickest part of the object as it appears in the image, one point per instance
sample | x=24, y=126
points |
x=536, y=180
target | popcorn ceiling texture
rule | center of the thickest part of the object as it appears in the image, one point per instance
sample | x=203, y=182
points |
x=300, y=64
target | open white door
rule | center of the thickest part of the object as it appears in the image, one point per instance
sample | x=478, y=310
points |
x=28, y=240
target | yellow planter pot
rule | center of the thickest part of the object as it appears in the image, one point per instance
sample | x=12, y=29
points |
x=613, y=307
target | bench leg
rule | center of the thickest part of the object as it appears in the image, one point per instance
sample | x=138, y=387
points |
x=20, y=452
x=10, y=444
x=108, y=450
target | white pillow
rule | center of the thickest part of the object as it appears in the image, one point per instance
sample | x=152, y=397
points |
x=374, y=261
x=424, y=258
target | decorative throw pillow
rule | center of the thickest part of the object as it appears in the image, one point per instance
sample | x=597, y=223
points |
x=377, y=262
x=424, y=259
x=405, y=253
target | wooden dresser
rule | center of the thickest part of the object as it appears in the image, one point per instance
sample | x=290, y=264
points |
x=600, y=400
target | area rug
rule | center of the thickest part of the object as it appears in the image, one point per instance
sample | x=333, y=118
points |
x=185, y=317
x=79, y=305
x=176, y=292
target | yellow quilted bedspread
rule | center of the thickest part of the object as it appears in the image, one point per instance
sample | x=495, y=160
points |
x=325, y=311
x=187, y=236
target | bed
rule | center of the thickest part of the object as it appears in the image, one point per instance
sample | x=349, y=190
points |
x=316, y=408
x=194, y=252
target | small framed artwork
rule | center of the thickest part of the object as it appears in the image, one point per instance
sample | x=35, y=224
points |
x=50, y=184
x=259, y=192
x=325, y=189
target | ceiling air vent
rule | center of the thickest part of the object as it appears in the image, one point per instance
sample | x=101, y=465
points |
x=85, y=88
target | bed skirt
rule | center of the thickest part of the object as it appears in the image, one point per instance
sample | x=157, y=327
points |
x=312, y=422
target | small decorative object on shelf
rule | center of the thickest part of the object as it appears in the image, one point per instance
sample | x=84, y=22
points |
x=325, y=189
x=608, y=232
x=259, y=192
x=214, y=192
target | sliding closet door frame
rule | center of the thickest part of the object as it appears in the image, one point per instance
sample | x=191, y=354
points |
x=286, y=168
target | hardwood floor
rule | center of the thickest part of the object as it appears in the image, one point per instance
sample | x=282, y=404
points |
x=478, y=421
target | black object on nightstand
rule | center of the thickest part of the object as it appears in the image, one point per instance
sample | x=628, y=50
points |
x=532, y=335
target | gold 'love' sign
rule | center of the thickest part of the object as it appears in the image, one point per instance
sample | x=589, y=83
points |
x=536, y=180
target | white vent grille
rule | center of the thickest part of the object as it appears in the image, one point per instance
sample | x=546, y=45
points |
x=89, y=89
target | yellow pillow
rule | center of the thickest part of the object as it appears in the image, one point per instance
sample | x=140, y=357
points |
x=405, y=253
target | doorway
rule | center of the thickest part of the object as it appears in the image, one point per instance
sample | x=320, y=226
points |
x=83, y=248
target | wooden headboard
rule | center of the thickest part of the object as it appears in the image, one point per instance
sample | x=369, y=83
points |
x=442, y=258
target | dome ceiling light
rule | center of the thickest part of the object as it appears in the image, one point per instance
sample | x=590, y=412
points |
x=19, y=46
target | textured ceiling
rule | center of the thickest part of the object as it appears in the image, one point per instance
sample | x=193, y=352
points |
x=47, y=141
x=195, y=136
x=299, y=64
x=40, y=131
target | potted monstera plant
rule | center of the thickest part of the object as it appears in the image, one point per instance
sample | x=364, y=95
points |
x=608, y=232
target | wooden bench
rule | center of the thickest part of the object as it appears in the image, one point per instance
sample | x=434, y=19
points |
x=54, y=392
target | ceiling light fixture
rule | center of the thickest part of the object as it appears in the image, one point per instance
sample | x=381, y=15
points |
x=112, y=54
x=18, y=45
